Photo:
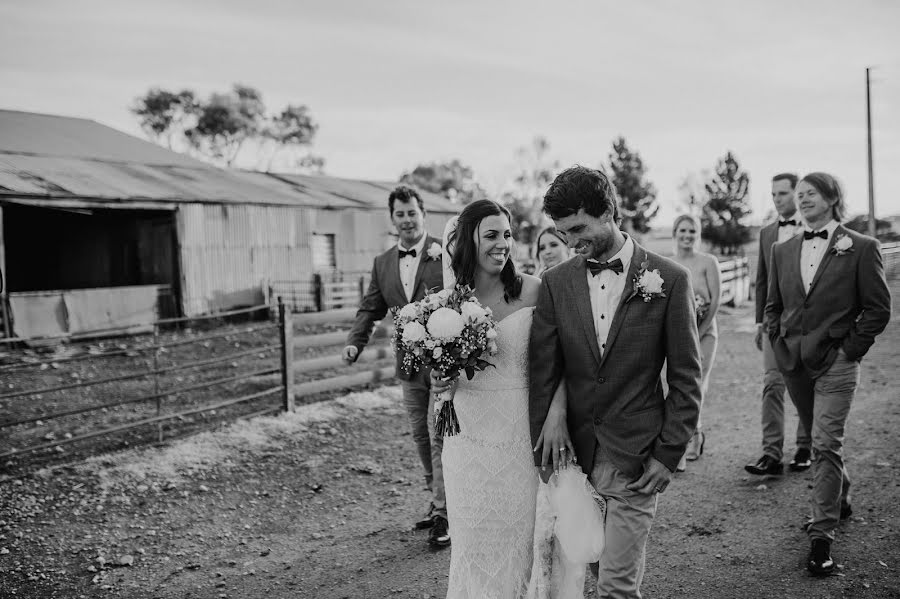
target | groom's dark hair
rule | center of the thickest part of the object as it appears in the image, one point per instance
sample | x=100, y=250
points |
x=580, y=187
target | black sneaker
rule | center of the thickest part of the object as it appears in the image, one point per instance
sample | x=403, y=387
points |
x=819, y=561
x=765, y=465
x=802, y=460
x=440, y=535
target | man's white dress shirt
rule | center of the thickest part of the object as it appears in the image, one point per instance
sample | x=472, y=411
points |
x=788, y=231
x=409, y=266
x=811, y=253
x=606, y=290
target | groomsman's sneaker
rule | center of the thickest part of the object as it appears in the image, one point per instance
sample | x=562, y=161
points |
x=440, y=534
x=765, y=465
x=802, y=460
x=819, y=562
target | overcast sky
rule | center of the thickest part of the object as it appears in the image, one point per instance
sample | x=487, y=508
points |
x=396, y=83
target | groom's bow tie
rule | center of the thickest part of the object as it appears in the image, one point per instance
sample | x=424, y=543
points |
x=597, y=267
x=784, y=223
x=411, y=253
x=810, y=235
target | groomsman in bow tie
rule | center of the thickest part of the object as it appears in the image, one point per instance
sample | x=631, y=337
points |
x=404, y=274
x=828, y=299
x=786, y=227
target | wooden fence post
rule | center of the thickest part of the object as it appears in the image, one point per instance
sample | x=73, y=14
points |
x=318, y=291
x=286, y=329
x=156, y=350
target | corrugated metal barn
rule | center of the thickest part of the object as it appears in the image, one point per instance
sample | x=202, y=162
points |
x=99, y=228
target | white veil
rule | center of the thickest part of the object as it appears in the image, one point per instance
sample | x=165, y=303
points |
x=447, y=253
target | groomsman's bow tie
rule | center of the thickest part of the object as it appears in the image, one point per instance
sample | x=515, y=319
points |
x=810, y=235
x=597, y=267
x=784, y=223
x=411, y=253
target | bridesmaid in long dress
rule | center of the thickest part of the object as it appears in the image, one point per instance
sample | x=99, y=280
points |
x=706, y=281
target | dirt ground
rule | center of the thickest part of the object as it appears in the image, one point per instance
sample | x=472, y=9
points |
x=320, y=504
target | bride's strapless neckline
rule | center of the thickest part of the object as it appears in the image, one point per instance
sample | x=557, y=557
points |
x=511, y=314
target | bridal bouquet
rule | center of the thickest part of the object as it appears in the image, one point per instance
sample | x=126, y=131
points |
x=448, y=331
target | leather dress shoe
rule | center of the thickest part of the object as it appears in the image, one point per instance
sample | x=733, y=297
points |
x=819, y=561
x=426, y=522
x=765, y=465
x=801, y=461
x=440, y=534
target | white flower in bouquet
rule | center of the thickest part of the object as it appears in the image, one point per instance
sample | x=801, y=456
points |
x=472, y=312
x=651, y=282
x=437, y=351
x=408, y=312
x=443, y=294
x=491, y=334
x=445, y=324
x=414, y=332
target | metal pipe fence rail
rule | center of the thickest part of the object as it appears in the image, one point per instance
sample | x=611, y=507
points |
x=260, y=357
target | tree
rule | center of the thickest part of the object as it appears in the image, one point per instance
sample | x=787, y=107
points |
x=692, y=193
x=218, y=129
x=226, y=122
x=727, y=206
x=454, y=180
x=292, y=129
x=524, y=196
x=163, y=115
x=637, y=197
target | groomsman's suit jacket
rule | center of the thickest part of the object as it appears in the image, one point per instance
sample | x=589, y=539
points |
x=386, y=292
x=768, y=235
x=847, y=306
x=616, y=399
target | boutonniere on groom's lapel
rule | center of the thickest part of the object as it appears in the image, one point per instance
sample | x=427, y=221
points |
x=434, y=251
x=648, y=283
x=842, y=245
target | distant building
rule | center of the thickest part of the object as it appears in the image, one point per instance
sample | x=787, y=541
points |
x=99, y=228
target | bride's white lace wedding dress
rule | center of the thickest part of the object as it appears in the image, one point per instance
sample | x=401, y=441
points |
x=490, y=476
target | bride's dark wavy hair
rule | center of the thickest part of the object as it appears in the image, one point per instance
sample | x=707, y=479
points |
x=465, y=252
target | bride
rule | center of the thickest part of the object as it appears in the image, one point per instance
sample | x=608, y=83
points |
x=489, y=474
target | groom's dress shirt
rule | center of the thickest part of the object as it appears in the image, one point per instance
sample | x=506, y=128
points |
x=409, y=265
x=606, y=290
x=811, y=253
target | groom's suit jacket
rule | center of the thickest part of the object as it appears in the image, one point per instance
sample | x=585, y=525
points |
x=616, y=399
x=848, y=304
x=386, y=292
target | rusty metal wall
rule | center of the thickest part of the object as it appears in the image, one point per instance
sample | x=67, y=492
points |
x=229, y=254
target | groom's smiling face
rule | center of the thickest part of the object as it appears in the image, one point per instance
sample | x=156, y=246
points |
x=590, y=236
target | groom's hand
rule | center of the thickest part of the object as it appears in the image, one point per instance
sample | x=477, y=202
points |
x=655, y=478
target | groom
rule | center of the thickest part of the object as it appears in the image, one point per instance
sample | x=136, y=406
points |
x=604, y=323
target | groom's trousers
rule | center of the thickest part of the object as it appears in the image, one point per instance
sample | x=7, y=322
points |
x=419, y=408
x=629, y=516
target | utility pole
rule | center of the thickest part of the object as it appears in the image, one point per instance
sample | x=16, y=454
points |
x=872, y=227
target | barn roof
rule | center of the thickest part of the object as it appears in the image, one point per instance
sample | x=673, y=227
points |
x=70, y=161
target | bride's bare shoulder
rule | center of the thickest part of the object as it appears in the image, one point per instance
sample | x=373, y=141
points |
x=530, y=287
